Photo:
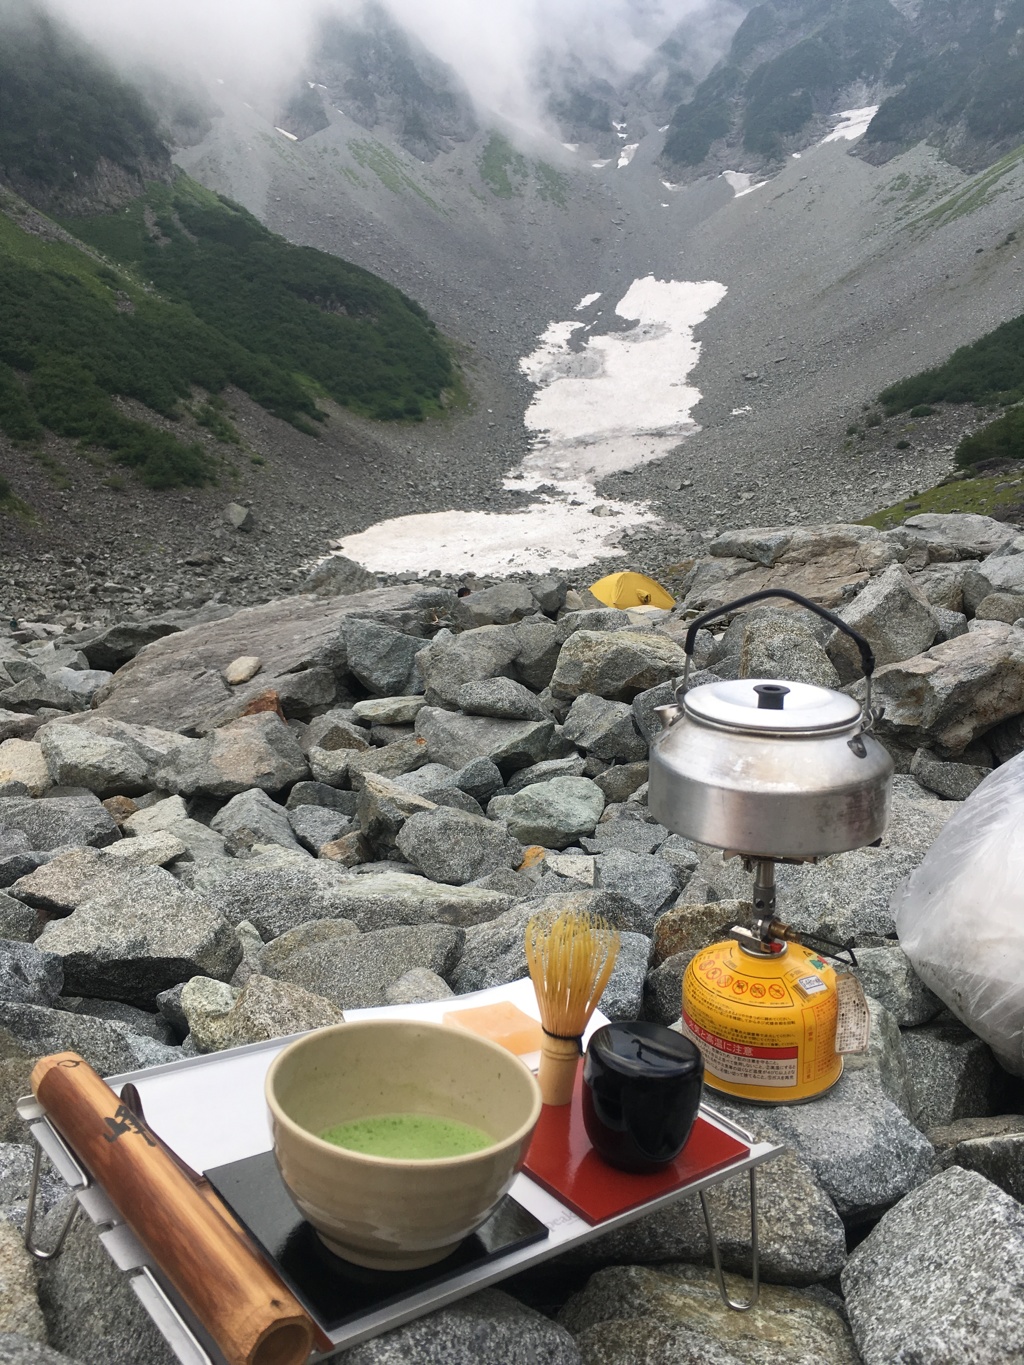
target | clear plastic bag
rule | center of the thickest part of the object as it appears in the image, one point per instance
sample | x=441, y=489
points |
x=960, y=915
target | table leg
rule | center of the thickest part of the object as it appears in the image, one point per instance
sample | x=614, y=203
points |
x=30, y=1215
x=737, y=1305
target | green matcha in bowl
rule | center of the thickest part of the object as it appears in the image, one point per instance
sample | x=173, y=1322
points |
x=396, y=1138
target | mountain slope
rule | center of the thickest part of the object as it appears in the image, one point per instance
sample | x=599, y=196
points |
x=948, y=73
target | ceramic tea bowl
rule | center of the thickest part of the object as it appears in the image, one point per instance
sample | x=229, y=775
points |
x=382, y=1212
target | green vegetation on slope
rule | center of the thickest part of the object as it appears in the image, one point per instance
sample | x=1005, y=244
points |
x=307, y=316
x=988, y=372
x=990, y=496
x=236, y=305
x=62, y=110
x=506, y=173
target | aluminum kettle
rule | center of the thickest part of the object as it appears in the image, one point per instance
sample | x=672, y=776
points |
x=767, y=768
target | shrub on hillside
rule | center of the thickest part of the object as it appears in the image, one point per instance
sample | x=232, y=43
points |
x=1002, y=439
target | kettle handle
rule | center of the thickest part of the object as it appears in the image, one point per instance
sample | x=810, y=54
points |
x=867, y=657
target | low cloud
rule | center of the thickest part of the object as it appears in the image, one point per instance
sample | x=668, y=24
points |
x=262, y=46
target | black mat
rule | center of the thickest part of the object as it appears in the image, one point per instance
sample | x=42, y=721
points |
x=334, y=1291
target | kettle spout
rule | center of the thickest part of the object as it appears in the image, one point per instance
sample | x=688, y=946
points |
x=667, y=714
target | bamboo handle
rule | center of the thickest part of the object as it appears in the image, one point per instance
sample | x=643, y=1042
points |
x=559, y=1058
x=251, y=1316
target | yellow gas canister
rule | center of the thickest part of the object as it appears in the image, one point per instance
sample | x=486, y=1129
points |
x=765, y=1022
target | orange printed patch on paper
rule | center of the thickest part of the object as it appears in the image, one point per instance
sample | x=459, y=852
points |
x=503, y=1023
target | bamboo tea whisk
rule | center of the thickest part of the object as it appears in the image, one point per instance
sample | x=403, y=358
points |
x=571, y=957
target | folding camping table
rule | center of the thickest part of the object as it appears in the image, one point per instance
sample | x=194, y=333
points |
x=211, y=1111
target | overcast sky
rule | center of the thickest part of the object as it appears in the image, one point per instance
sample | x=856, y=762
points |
x=493, y=44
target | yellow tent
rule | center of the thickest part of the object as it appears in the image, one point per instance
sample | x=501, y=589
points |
x=624, y=590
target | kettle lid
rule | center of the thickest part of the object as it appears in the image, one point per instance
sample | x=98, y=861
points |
x=770, y=706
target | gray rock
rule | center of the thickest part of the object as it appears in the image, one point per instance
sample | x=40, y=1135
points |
x=329, y=767
x=315, y=826
x=894, y=617
x=139, y=1021
x=254, y=751
x=112, y=646
x=663, y=989
x=205, y=1003
x=129, y=948
x=619, y=665
x=65, y=689
x=620, y=782
x=606, y=729
x=432, y=777
x=1000, y=606
x=91, y=1310
x=950, y=623
x=68, y=880
x=383, y=809
x=847, y=895
x=941, y=1278
x=646, y=703
x=354, y=972
x=885, y=1059
x=623, y=996
x=262, y=1010
x=501, y=698
x=252, y=817
x=945, y=698
x=645, y=883
x=76, y=757
x=488, y=1328
x=16, y=1349
x=451, y=846
x=390, y=761
x=19, y=1307
x=382, y=659
x=58, y=822
x=204, y=845
x=480, y=778
x=106, y=1044
x=554, y=813
x=456, y=740
x=952, y=1073
x=336, y=729
x=28, y=976
x=323, y=796
x=954, y=781
x=274, y=892
x=802, y=1238
x=494, y=952
x=22, y=762
x=337, y=576
x=497, y=606
x=18, y=922
x=449, y=661
x=886, y=974
x=537, y=645
x=549, y=593
x=544, y=772
x=972, y=536
x=673, y=1315
x=863, y=1151
x=630, y=836
x=15, y=1179
x=686, y=928
x=994, y=1147
x=778, y=644
x=389, y=710
x=417, y=986
x=18, y=725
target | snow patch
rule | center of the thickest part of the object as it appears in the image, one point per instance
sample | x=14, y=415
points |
x=741, y=412
x=740, y=182
x=285, y=133
x=627, y=154
x=600, y=165
x=571, y=146
x=667, y=184
x=591, y=393
x=853, y=123
x=587, y=300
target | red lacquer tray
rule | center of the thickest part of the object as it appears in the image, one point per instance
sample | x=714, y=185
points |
x=562, y=1160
